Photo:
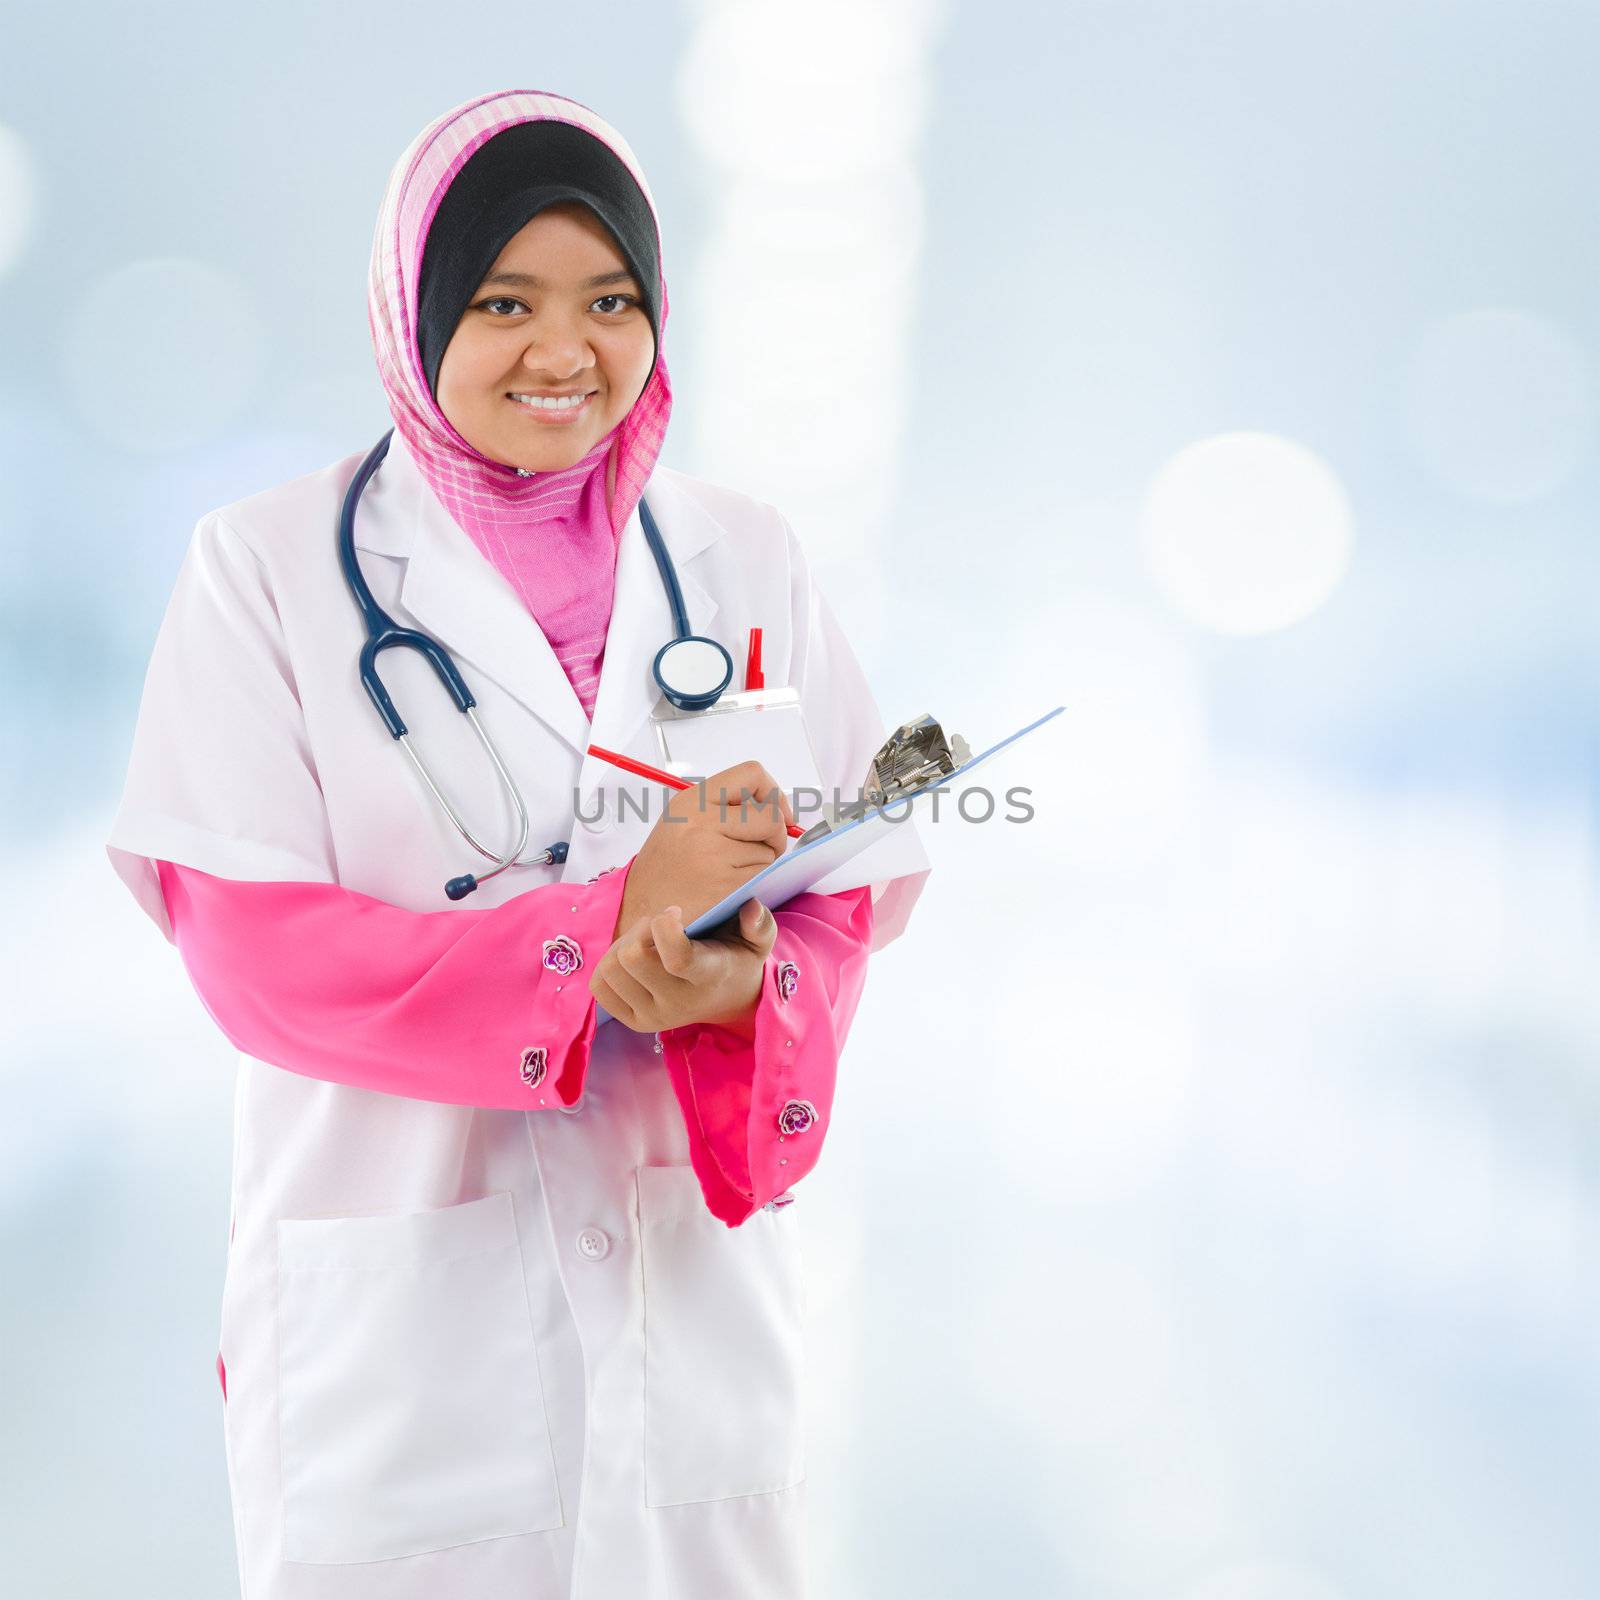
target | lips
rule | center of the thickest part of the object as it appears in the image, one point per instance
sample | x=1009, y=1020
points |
x=554, y=414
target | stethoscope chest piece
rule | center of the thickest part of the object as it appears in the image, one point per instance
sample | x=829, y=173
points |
x=692, y=672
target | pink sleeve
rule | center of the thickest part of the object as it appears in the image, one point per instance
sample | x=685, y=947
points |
x=757, y=1110
x=477, y=1008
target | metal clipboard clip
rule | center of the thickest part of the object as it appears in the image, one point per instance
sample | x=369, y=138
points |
x=916, y=754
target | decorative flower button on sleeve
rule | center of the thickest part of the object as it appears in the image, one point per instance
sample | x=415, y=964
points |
x=534, y=1060
x=562, y=955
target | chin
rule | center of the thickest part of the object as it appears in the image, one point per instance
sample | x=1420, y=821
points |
x=553, y=458
x=541, y=455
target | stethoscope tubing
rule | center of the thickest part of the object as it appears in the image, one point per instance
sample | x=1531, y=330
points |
x=384, y=633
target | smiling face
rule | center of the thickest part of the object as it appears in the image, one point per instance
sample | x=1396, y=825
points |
x=558, y=314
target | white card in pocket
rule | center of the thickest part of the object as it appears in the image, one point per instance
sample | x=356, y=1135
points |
x=765, y=725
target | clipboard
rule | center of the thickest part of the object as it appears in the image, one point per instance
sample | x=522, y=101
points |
x=798, y=870
x=801, y=869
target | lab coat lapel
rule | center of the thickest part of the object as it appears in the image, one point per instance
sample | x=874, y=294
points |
x=453, y=592
x=460, y=597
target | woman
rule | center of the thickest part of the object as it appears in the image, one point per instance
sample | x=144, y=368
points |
x=471, y=1347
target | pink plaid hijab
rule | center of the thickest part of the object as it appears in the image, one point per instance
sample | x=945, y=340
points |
x=552, y=535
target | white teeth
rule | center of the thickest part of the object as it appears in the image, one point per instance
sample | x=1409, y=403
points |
x=549, y=403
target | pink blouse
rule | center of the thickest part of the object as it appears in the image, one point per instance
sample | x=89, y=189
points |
x=492, y=1008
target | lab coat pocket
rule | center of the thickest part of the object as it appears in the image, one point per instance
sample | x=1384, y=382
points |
x=410, y=1411
x=724, y=1314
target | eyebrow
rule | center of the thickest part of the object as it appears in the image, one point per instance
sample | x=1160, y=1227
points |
x=526, y=280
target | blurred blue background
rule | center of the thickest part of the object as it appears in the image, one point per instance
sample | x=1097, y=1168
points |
x=1223, y=371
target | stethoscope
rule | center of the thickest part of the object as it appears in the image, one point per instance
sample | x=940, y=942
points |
x=690, y=670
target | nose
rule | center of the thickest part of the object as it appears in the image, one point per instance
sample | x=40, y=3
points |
x=557, y=349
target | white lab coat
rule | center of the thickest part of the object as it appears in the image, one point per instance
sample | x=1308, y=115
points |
x=383, y=1244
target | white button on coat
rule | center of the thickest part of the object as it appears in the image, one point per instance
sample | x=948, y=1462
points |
x=593, y=1245
x=395, y=1313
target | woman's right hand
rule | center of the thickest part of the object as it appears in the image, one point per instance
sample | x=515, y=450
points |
x=701, y=847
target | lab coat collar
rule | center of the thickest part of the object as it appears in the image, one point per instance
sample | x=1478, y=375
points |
x=450, y=590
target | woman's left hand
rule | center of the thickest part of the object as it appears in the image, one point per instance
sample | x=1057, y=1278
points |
x=656, y=977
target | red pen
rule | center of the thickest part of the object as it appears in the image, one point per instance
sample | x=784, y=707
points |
x=645, y=770
x=752, y=663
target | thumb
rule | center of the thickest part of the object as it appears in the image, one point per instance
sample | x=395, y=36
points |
x=757, y=921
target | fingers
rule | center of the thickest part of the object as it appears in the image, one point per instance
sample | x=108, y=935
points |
x=675, y=949
x=608, y=998
x=751, y=805
x=641, y=966
x=661, y=977
x=662, y=958
x=766, y=791
x=629, y=990
x=656, y=972
x=621, y=969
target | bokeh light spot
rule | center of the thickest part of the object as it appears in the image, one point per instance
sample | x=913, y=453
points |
x=1246, y=532
x=16, y=196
